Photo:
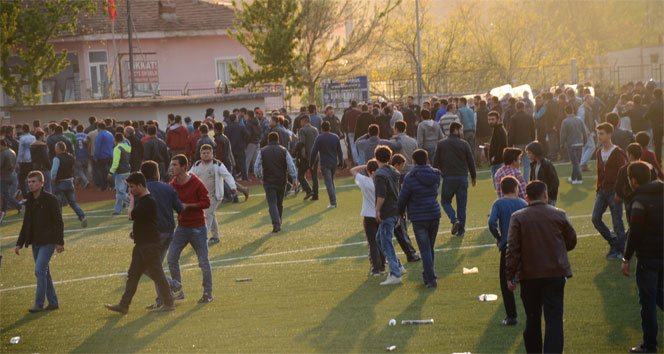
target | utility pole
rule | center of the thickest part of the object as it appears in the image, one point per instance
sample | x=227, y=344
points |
x=419, y=56
x=131, y=49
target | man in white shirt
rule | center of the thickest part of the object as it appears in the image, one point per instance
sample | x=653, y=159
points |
x=369, y=213
x=213, y=173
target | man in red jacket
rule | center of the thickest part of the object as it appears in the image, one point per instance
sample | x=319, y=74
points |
x=610, y=158
x=192, y=141
x=191, y=227
x=643, y=138
x=176, y=137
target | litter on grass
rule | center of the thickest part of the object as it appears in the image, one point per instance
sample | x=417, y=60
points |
x=15, y=340
x=242, y=279
x=488, y=297
x=414, y=322
x=472, y=270
x=391, y=348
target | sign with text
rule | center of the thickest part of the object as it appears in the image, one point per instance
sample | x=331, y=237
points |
x=145, y=71
x=339, y=95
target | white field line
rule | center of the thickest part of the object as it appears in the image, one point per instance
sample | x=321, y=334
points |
x=310, y=260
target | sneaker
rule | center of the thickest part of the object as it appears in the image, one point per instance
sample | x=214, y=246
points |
x=455, y=228
x=375, y=274
x=414, y=258
x=332, y=206
x=2, y=217
x=297, y=190
x=509, y=321
x=51, y=307
x=615, y=255
x=578, y=181
x=213, y=241
x=462, y=234
x=84, y=222
x=314, y=197
x=117, y=308
x=391, y=280
x=178, y=295
x=115, y=214
x=402, y=270
x=35, y=309
x=641, y=349
x=205, y=299
x=164, y=308
x=309, y=195
x=152, y=306
x=431, y=285
x=276, y=229
x=570, y=180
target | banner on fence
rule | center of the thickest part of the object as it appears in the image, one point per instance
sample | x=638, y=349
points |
x=339, y=95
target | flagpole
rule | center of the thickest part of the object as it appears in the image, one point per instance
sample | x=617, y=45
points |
x=131, y=49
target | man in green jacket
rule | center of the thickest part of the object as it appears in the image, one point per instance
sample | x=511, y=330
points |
x=120, y=170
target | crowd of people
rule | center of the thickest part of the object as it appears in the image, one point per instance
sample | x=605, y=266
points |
x=397, y=153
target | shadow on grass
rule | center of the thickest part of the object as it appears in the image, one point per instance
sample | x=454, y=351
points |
x=246, y=250
x=29, y=317
x=576, y=194
x=348, y=320
x=498, y=338
x=110, y=338
x=345, y=250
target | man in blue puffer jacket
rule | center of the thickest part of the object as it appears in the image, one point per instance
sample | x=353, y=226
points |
x=418, y=193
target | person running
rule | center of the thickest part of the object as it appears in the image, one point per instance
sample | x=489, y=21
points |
x=191, y=227
x=539, y=238
x=167, y=202
x=119, y=172
x=273, y=165
x=512, y=160
x=44, y=230
x=454, y=159
x=610, y=158
x=62, y=175
x=646, y=240
x=543, y=170
x=499, y=223
x=328, y=146
x=368, y=214
x=418, y=195
x=147, y=247
x=386, y=182
x=214, y=174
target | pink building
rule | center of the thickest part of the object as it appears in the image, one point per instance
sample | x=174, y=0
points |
x=180, y=47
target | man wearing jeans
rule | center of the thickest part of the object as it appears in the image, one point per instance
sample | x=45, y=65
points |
x=646, y=238
x=328, y=146
x=119, y=171
x=167, y=201
x=62, y=175
x=191, y=224
x=573, y=136
x=273, y=165
x=44, y=230
x=454, y=159
x=498, y=142
x=103, y=154
x=610, y=158
x=538, y=240
x=307, y=135
x=386, y=182
x=418, y=193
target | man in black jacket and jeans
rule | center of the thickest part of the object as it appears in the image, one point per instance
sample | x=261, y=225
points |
x=522, y=132
x=498, y=142
x=646, y=238
x=44, y=230
x=146, y=255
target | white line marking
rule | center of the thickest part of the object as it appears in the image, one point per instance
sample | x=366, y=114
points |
x=310, y=260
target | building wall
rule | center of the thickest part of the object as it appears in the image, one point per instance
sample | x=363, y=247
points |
x=634, y=56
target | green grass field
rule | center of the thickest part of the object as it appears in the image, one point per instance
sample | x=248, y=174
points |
x=310, y=290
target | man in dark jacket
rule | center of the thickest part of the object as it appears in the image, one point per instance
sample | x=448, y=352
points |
x=328, y=147
x=620, y=137
x=62, y=175
x=498, y=142
x=307, y=135
x=610, y=159
x=273, y=165
x=57, y=135
x=44, y=230
x=543, y=170
x=155, y=150
x=363, y=122
x=637, y=116
x=646, y=238
x=418, y=194
x=538, y=241
x=136, y=156
x=238, y=136
x=482, y=131
x=655, y=116
x=454, y=159
x=522, y=132
x=253, y=142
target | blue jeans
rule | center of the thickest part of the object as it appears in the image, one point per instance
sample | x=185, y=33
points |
x=47, y=181
x=328, y=177
x=603, y=200
x=384, y=240
x=197, y=237
x=353, y=148
x=7, y=196
x=574, y=153
x=65, y=191
x=525, y=162
x=274, y=195
x=45, y=289
x=165, y=239
x=81, y=170
x=425, y=235
x=650, y=282
x=588, y=150
x=494, y=169
x=120, y=192
x=455, y=185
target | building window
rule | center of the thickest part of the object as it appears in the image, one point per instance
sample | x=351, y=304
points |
x=223, y=69
x=98, y=61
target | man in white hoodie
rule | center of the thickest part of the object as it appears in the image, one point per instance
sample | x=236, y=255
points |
x=213, y=173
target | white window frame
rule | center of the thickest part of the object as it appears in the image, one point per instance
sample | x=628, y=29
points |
x=98, y=93
x=234, y=59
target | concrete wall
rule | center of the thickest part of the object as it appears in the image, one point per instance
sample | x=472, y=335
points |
x=139, y=109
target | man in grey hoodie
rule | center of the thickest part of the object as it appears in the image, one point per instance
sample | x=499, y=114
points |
x=573, y=135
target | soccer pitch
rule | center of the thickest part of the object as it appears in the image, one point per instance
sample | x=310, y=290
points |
x=309, y=291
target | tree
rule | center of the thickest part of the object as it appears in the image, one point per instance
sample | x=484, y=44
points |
x=27, y=26
x=269, y=29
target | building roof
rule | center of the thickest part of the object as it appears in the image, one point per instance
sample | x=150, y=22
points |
x=160, y=16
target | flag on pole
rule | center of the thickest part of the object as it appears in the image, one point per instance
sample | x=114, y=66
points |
x=111, y=10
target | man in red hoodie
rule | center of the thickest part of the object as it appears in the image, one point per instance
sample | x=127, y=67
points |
x=610, y=158
x=648, y=156
x=176, y=137
x=192, y=141
x=191, y=227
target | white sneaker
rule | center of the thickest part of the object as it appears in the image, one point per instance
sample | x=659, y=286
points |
x=391, y=280
x=2, y=217
x=402, y=270
x=578, y=181
x=332, y=206
x=570, y=180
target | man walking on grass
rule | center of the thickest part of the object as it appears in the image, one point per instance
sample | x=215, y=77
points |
x=328, y=146
x=147, y=248
x=191, y=227
x=62, y=175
